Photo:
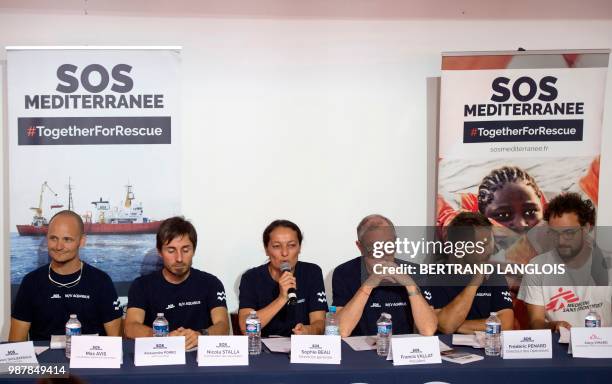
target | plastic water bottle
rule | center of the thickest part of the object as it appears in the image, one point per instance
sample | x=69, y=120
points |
x=253, y=331
x=592, y=319
x=493, y=335
x=73, y=328
x=161, y=327
x=384, y=328
x=331, y=322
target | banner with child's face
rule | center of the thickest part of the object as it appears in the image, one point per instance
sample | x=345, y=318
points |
x=517, y=129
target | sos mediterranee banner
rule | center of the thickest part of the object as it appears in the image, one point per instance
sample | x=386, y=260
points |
x=516, y=130
x=95, y=131
x=528, y=120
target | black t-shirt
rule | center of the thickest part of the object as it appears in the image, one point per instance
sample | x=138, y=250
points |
x=187, y=304
x=258, y=289
x=346, y=280
x=47, y=306
x=492, y=296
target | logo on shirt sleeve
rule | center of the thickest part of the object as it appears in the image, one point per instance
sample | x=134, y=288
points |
x=507, y=296
x=427, y=295
x=322, y=297
x=116, y=304
x=221, y=296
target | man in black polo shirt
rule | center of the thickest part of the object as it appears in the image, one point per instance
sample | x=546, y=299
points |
x=464, y=302
x=192, y=301
x=48, y=295
x=360, y=297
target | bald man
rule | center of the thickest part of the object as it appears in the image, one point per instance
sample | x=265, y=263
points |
x=361, y=295
x=48, y=295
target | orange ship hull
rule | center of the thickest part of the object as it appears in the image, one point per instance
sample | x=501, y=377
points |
x=98, y=229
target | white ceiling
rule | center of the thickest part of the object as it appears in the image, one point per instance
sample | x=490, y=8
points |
x=332, y=9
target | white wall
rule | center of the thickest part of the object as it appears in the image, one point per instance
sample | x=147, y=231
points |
x=317, y=121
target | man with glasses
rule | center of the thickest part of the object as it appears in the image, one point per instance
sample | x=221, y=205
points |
x=363, y=289
x=564, y=300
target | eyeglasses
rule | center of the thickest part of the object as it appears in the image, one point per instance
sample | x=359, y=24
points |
x=567, y=234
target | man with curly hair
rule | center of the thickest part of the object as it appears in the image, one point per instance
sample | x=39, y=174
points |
x=564, y=300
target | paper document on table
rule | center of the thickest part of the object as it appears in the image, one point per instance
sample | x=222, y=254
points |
x=361, y=343
x=565, y=335
x=58, y=342
x=39, y=350
x=475, y=341
x=278, y=344
x=461, y=357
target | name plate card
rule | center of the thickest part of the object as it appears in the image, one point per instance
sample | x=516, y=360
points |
x=16, y=354
x=592, y=342
x=319, y=349
x=159, y=351
x=96, y=352
x=525, y=344
x=223, y=351
x=416, y=350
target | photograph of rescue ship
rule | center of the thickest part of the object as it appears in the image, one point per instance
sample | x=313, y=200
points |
x=126, y=219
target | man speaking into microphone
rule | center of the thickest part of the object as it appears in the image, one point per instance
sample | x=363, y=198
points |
x=288, y=295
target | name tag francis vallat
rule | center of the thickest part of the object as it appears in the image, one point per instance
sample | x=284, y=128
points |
x=534, y=344
x=320, y=349
x=159, y=351
x=223, y=351
x=96, y=352
x=416, y=350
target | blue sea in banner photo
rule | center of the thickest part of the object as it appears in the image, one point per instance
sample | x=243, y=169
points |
x=122, y=257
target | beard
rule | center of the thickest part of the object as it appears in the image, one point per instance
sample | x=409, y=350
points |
x=568, y=252
x=178, y=270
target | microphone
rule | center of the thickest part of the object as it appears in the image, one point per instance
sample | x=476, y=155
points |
x=291, y=294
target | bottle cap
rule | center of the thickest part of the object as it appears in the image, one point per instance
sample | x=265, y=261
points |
x=73, y=316
x=493, y=314
x=332, y=308
x=160, y=314
x=253, y=312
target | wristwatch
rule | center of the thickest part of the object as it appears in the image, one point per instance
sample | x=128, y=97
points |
x=415, y=292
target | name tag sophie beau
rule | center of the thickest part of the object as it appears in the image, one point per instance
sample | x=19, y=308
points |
x=320, y=349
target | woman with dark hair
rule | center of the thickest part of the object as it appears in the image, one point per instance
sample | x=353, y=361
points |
x=266, y=288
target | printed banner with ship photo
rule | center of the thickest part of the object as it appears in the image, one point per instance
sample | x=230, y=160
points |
x=94, y=131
